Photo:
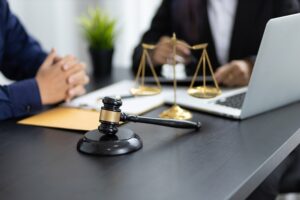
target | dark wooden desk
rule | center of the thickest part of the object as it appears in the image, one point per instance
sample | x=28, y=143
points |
x=225, y=160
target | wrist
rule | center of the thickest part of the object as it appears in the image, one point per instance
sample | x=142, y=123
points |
x=25, y=97
x=152, y=58
x=43, y=95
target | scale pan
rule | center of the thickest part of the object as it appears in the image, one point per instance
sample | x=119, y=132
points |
x=204, y=92
x=145, y=91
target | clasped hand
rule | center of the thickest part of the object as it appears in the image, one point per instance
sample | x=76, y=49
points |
x=234, y=73
x=61, y=79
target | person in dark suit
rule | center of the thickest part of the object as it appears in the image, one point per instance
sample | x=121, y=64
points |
x=232, y=28
x=42, y=78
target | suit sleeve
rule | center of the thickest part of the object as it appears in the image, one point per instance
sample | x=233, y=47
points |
x=161, y=25
x=19, y=99
x=22, y=56
x=281, y=8
x=286, y=7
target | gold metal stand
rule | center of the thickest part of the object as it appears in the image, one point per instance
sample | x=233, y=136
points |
x=142, y=89
x=175, y=112
x=203, y=91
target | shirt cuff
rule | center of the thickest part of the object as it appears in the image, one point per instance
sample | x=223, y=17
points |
x=25, y=97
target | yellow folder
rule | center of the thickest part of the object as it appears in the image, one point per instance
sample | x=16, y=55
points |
x=65, y=118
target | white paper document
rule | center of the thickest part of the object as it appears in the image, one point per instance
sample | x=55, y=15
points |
x=134, y=105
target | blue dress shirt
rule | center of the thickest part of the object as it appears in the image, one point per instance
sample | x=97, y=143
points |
x=20, y=58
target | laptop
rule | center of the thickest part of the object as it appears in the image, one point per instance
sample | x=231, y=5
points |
x=275, y=79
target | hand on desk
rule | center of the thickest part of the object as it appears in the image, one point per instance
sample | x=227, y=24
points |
x=163, y=52
x=61, y=78
x=235, y=73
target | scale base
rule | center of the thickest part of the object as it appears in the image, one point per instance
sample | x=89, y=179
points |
x=204, y=92
x=96, y=143
x=145, y=91
x=176, y=112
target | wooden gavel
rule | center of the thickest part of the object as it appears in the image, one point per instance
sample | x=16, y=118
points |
x=111, y=115
x=109, y=140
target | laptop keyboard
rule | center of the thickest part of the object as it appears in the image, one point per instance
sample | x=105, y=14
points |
x=235, y=101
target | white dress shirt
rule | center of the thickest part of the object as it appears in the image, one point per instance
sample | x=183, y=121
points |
x=221, y=16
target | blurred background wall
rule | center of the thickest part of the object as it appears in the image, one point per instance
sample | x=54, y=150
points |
x=55, y=24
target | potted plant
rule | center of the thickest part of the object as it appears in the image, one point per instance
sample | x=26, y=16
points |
x=99, y=31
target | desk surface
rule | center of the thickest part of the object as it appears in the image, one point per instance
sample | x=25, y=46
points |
x=226, y=159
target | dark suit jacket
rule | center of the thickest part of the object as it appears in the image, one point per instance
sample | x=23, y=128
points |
x=20, y=58
x=249, y=25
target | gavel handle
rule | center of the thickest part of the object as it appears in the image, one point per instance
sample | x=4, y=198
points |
x=161, y=122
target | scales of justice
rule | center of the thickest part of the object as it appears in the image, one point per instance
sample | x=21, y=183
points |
x=203, y=91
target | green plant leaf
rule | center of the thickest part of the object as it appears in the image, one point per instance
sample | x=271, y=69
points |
x=99, y=29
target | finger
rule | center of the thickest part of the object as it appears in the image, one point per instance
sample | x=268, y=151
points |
x=229, y=81
x=166, y=44
x=161, y=51
x=50, y=58
x=239, y=73
x=240, y=82
x=167, y=53
x=183, y=49
x=67, y=62
x=163, y=56
x=240, y=79
x=182, y=58
x=164, y=48
x=79, y=78
x=237, y=81
x=61, y=62
x=164, y=39
x=75, y=69
x=234, y=77
x=160, y=56
x=236, y=71
x=57, y=59
x=76, y=91
x=70, y=62
x=222, y=72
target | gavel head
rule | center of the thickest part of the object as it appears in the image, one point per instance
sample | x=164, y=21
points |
x=110, y=114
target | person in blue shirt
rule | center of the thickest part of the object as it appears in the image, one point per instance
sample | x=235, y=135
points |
x=41, y=78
